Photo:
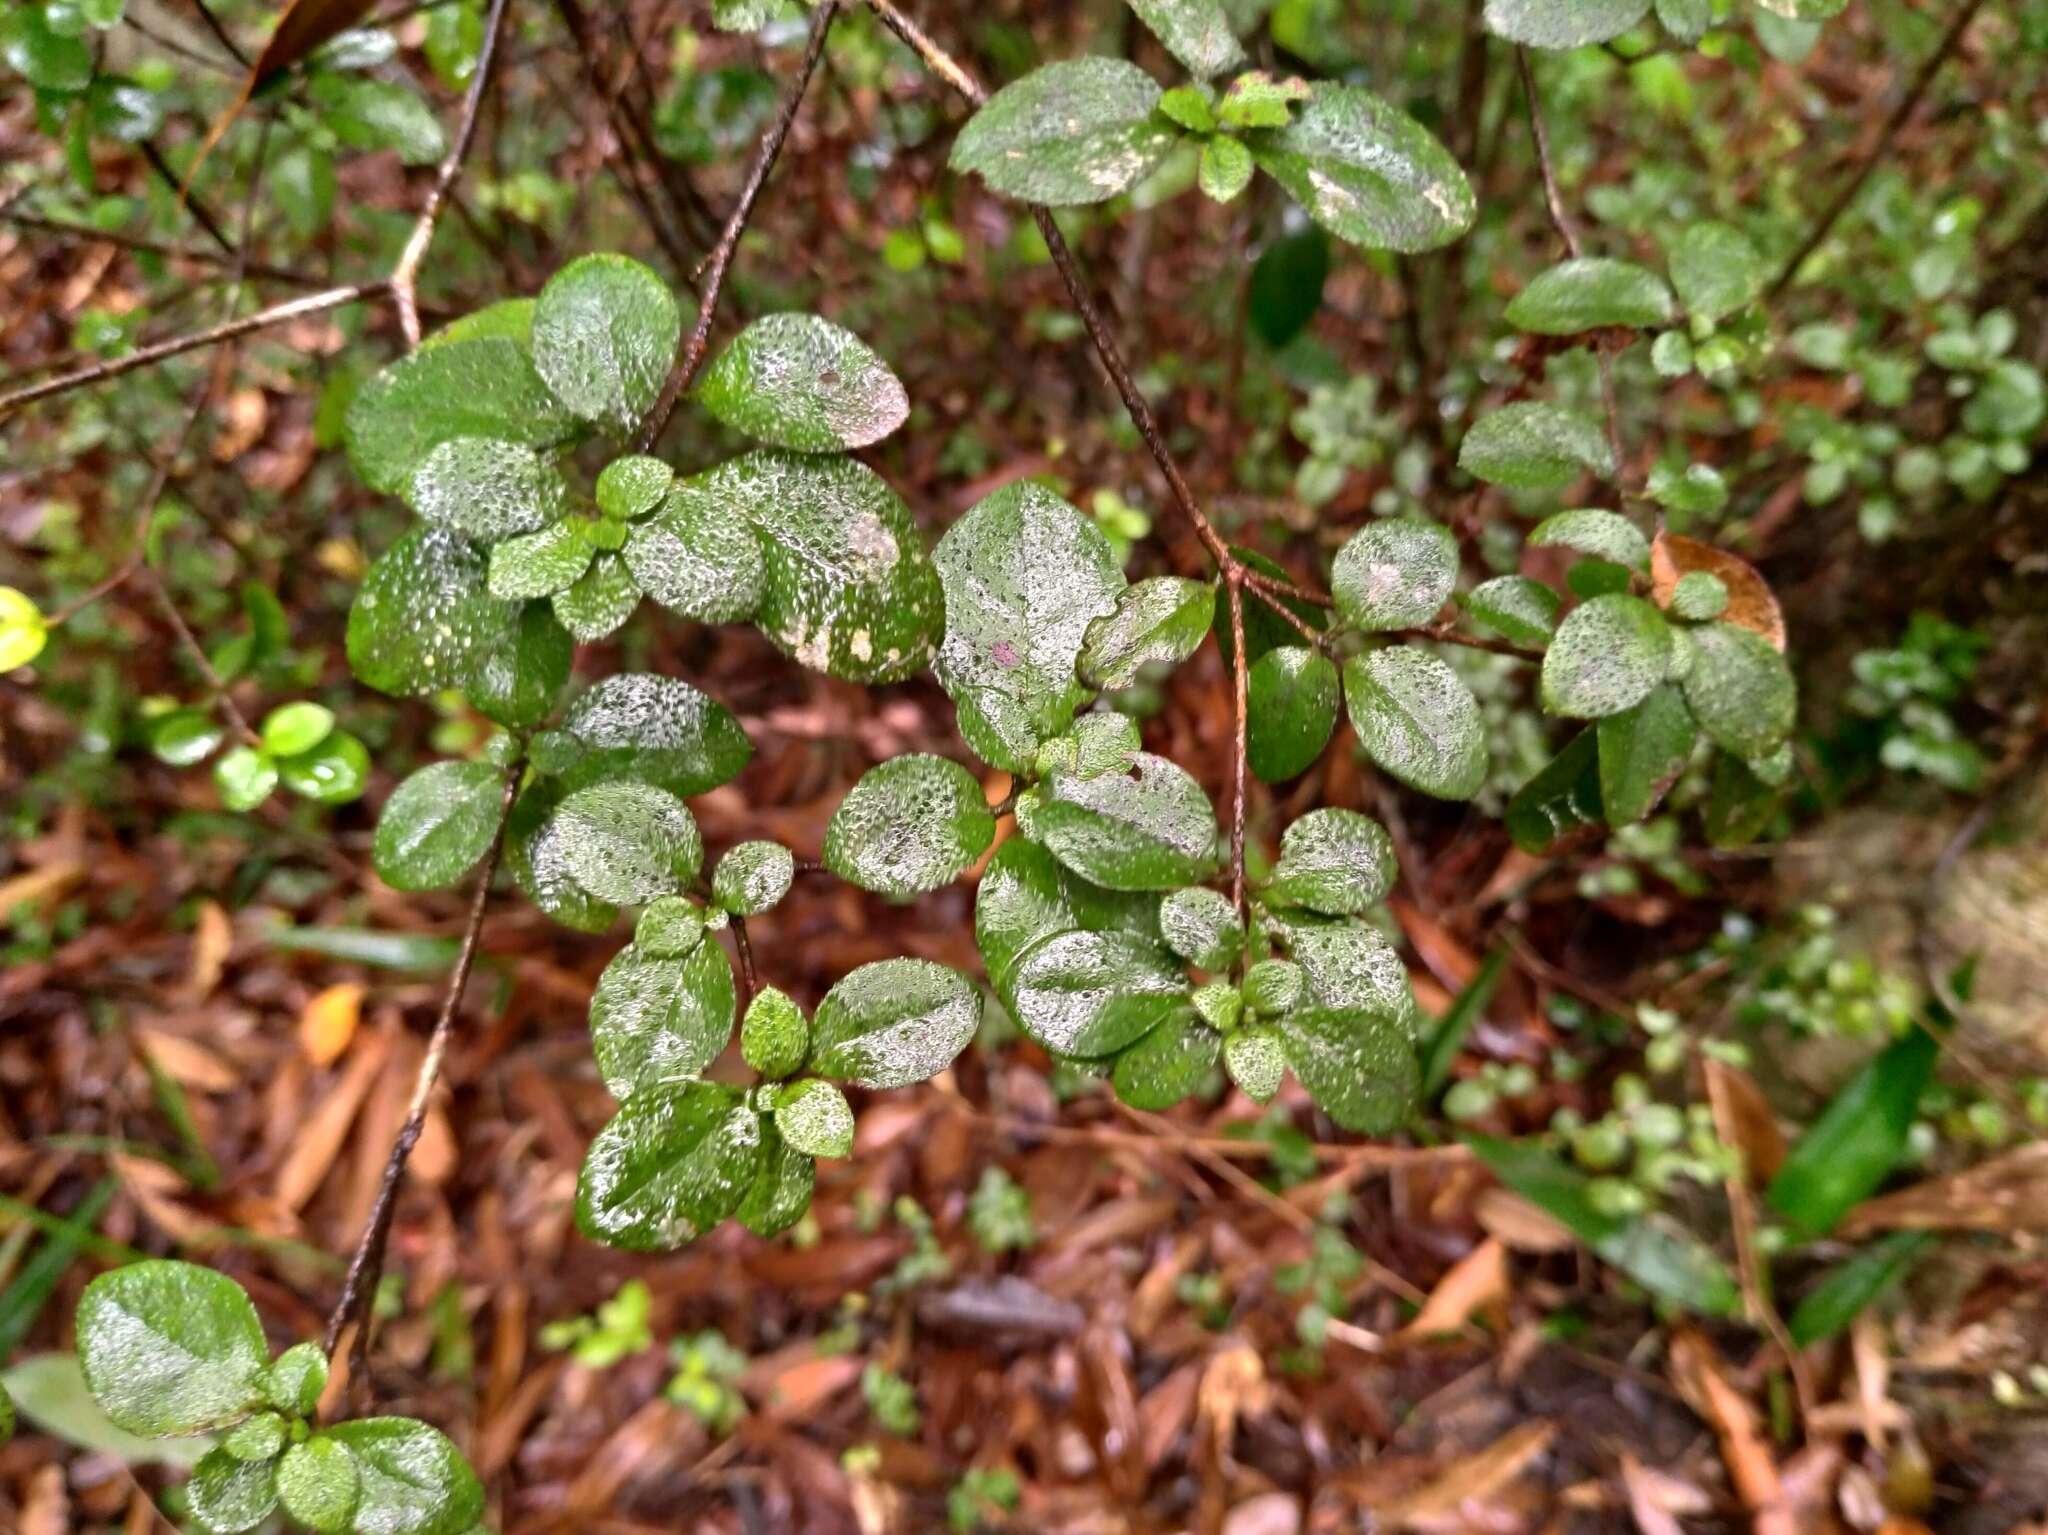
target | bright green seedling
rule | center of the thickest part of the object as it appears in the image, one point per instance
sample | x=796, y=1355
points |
x=172, y=1349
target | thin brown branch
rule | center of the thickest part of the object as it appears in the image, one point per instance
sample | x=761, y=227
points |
x=192, y=341
x=1901, y=114
x=220, y=33
x=164, y=248
x=367, y=1265
x=405, y=274
x=743, y=946
x=1233, y=588
x=690, y=355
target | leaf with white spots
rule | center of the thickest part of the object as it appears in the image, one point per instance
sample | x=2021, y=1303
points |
x=781, y=1191
x=1360, y=1067
x=698, y=557
x=1169, y=1065
x=1197, y=32
x=1368, y=172
x=424, y=619
x=1151, y=828
x=1562, y=23
x=600, y=600
x=628, y=843
x=411, y=1480
x=1157, y=622
x=1294, y=693
x=1416, y=718
x=800, y=382
x=656, y=730
x=1519, y=608
x=660, y=1020
x=1075, y=131
x=1740, y=689
x=481, y=387
x=1089, y=995
x=814, y=1117
x=437, y=825
x=910, y=825
x=1025, y=575
x=1591, y=293
x=487, y=490
x=671, y=1164
x=1607, y=656
x=1534, y=446
x=1025, y=895
x=1394, y=574
x=893, y=1023
x=847, y=587
x=170, y=1348
x=1349, y=965
x=1333, y=861
x=1603, y=535
x=604, y=335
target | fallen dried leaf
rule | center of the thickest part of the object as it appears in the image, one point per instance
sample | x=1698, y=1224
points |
x=1751, y=604
x=1476, y=1282
x=328, y=1022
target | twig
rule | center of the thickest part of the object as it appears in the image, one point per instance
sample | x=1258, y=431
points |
x=220, y=33
x=229, y=330
x=162, y=248
x=367, y=1265
x=690, y=355
x=405, y=274
x=1908, y=104
x=1233, y=588
x=1568, y=231
x=744, y=947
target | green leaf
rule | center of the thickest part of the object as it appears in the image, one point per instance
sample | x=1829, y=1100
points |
x=1519, y=608
x=259, y=1438
x=332, y=773
x=1287, y=285
x=1591, y=293
x=1257, y=99
x=1562, y=23
x=1025, y=577
x=814, y=1118
x=245, y=778
x=510, y=319
x=1349, y=965
x=800, y=382
x=698, y=557
x=672, y=1163
x=542, y=563
x=628, y=843
x=228, y=1494
x=1159, y=621
x=1292, y=711
x=423, y=619
x=752, y=877
x=517, y=683
x=1417, y=720
x=48, y=59
x=1264, y=627
x=893, y=1023
x=487, y=490
x=295, y=1379
x=1740, y=689
x=1075, y=131
x=670, y=928
x=369, y=114
x=1202, y=927
x=604, y=335
x=1395, y=574
x=51, y=1395
x=1168, y=1065
x=1853, y=1286
x=781, y=1191
x=1607, y=656
x=1562, y=798
x=1197, y=32
x=534, y=853
x=170, y=1348
x=1257, y=1061
x=656, y=1021
x=413, y=1479
x=631, y=486
x=1088, y=994
x=483, y=386
x=1337, y=862
x=1024, y=895
x=1604, y=535
x=1151, y=828
x=1642, y=752
x=910, y=825
x=1368, y=172
x=1533, y=446
x=848, y=589
x=1225, y=169
x=601, y=599
x=184, y=737
x=296, y=727
x=1696, y=489
x=1358, y=1066
x=1686, y=20
x=1440, y=1053
x=1717, y=269
x=1657, y=1253
x=649, y=729
x=1275, y=986
x=1858, y=1138
x=774, y=1037
x=319, y=1485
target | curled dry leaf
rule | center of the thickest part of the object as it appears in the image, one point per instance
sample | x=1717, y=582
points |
x=1476, y=1282
x=1750, y=602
